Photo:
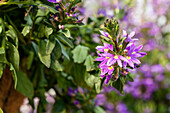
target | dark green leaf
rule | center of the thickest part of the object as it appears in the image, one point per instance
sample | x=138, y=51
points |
x=51, y=9
x=62, y=49
x=14, y=75
x=129, y=77
x=1, y=69
x=65, y=40
x=13, y=55
x=44, y=51
x=2, y=50
x=55, y=64
x=59, y=106
x=24, y=85
x=12, y=34
x=80, y=53
x=30, y=59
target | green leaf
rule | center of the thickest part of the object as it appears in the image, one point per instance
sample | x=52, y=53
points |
x=89, y=79
x=118, y=85
x=40, y=33
x=1, y=111
x=1, y=69
x=12, y=34
x=51, y=9
x=98, y=85
x=62, y=49
x=48, y=31
x=59, y=106
x=44, y=50
x=0, y=29
x=80, y=53
x=65, y=40
x=26, y=30
x=66, y=32
x=2, y=50
x=129, y=77
x=55, y=64
x=30, y=59
x=14, y=75
x=13, y=55
x=44, y=58
x=89, y=63
x=24, y=85
x=99, y=109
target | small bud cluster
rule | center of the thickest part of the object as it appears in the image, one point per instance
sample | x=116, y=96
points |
x=119, y=53
x=66, y=13
x=74, y=94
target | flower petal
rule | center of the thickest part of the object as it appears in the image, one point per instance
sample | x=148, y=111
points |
x=119, y=62
x=124, y=64
x=136, y=61
x=100, y=48
x=107, y=79
x=138, y=48
x=111, y=61
x=131, y=34
x=123, y=58
x=131, y=64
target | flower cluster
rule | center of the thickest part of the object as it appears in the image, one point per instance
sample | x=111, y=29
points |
x=75, y=93
x=150, y=81
x=110, y=107
x=121, y=58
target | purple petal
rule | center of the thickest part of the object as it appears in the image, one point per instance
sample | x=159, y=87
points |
x=123, y=58
x=142, y=54
x=124, y=33
x=136, y=61
x=131, y=34
x=100, y=48
x=136, y=55
x=102, y=63
x=111, y=71
x=124, y=64
x=110, y=46
x=100, y=58
x=138, y=48
x=107, y=79
x=102, y=76
x=131, y=63
x=111, y=61
x=119, y=62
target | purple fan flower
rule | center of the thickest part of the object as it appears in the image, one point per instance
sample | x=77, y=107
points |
x=104, y=58
x=116, y=58
x=54, y=1
x=129, y=37
x=132, y=54
x=106, y=69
